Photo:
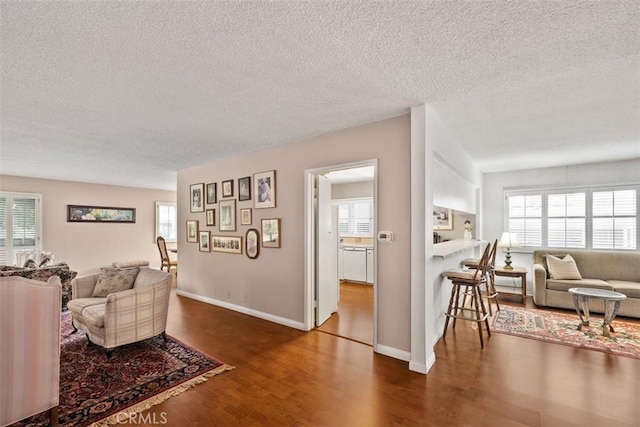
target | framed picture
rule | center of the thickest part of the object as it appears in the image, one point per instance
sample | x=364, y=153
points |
x=271, y=233
x=212, y=193
x=192, y=231
x=211, y=217
x=245, y=216
x=244, y=188
x=227, y=215
x=264, y=190
x=227, y=188
x=227, y=244
x=204, y=241
x=78, y=213
x=196, y=192
x=252, y=243
x=442, y=218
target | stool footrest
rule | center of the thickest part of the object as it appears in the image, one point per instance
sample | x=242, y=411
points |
x=468, y=317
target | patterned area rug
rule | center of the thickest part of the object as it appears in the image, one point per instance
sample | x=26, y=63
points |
x=104, y=391
x=560, y=328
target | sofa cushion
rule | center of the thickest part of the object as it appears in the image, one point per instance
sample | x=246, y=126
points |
x=76, y=306
x=129, y=264
x=114, y=280
x=563, y=268
x=565, y=285
x=94, y=315
x=630, y=289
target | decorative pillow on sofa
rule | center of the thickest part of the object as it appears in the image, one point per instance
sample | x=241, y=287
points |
x=114, y=280
x=563, y=268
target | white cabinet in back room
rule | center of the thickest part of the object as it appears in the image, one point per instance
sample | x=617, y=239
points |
x=370, y=265
x=355, y=264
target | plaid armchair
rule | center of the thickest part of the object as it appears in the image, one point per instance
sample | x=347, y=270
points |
x=122, y=316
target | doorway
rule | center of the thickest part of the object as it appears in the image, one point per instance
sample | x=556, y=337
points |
x=337, y=304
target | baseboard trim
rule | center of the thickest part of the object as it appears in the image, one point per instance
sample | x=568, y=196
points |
x=393, y=352
x=244, y=310
x=382, y=349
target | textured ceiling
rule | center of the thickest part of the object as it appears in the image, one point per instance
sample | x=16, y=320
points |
x=128, y=93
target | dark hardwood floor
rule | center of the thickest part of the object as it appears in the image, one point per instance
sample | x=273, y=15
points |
x=285, y=377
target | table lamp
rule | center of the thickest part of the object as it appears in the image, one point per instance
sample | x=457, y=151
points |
x=507, y=241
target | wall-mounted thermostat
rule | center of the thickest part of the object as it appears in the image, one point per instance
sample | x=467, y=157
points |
x=385, y=236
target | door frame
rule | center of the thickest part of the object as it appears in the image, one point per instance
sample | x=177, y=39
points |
x=309, y=241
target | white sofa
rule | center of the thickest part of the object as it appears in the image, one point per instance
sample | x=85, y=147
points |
x=125, y=316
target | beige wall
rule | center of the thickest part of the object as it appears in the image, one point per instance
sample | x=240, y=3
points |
x=274, y=283
x=88, y=246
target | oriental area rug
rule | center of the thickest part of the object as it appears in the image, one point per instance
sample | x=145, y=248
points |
x=561, y=328
x=96, y=390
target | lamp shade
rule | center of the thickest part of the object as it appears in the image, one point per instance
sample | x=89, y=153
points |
x=508, y=240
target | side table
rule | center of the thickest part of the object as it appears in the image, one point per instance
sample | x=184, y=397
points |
x=520, y=272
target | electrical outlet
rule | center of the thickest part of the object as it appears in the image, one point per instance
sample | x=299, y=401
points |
x=244, y=298
x=228, y=294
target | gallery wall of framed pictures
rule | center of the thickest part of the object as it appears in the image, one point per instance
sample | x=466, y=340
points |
x=241, y=197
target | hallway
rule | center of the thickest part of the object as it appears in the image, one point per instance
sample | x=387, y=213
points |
x=354, y=319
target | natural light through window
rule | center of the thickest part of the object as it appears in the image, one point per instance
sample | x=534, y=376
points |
x=355, y=218
x=167, y=221
x=588, y=218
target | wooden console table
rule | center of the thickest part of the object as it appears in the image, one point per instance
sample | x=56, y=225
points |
x=520, y=272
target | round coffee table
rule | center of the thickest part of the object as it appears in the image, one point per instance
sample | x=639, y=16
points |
x=611, y=301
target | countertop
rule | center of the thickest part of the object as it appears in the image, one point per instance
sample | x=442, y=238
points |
x=350, y=245
x=451, y=247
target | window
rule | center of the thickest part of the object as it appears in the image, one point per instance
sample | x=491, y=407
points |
x=355, y=217
x=167, y=221
x=595, y=218
x=525, y=218
x=566, y=220
x=614, y=219
x=20, y=225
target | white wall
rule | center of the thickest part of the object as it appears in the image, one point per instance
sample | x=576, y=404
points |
x=273, y=284
x=495, y=184
x=88, y=246
x=352, y=190
x=435, y=154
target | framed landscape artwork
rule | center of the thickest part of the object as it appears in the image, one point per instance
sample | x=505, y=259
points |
x=442, y=218
x=264, y=190
x=77, y=213
x=227, y=210
x=271, y=233
x=196, y=193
